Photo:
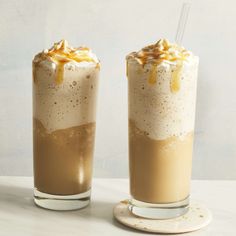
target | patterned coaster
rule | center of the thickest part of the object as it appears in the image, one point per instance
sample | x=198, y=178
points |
x=196, y=218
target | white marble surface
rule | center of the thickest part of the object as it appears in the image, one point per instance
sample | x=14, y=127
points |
x=19, y=216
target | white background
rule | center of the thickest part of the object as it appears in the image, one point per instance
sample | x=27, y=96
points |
x=113, y=29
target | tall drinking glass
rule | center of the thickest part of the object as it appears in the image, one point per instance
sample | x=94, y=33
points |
x=162, y=82
x=65, y=82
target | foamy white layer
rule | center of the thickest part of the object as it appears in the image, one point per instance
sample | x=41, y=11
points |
x=153, y=107
x=71, y=103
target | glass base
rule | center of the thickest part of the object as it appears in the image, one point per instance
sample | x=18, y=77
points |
x=159, y=211
x=60, y=202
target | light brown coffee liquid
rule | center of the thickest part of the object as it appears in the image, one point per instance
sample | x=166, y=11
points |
x=159, y=169
x=63, y=159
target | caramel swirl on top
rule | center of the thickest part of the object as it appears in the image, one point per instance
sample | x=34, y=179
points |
x=160, y=51
x=62, y=52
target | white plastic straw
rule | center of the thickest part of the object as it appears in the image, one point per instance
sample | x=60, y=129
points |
x=182, y=22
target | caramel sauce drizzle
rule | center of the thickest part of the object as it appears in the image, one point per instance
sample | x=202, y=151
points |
x=59, y=72
x=176, y=78
x=152, y=79
x=61, y=54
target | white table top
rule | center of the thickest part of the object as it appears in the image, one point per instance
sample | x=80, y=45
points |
x=19, y=216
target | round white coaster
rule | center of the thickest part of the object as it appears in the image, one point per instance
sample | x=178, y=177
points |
x=196, y=218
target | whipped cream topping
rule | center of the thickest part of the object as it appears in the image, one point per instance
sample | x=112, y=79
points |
x=161, y=51
x=61, y=52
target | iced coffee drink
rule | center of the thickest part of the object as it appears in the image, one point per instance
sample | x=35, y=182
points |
x=65, y=82
x=162, y=93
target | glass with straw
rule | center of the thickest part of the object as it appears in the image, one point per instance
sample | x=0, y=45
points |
x=162, y=95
